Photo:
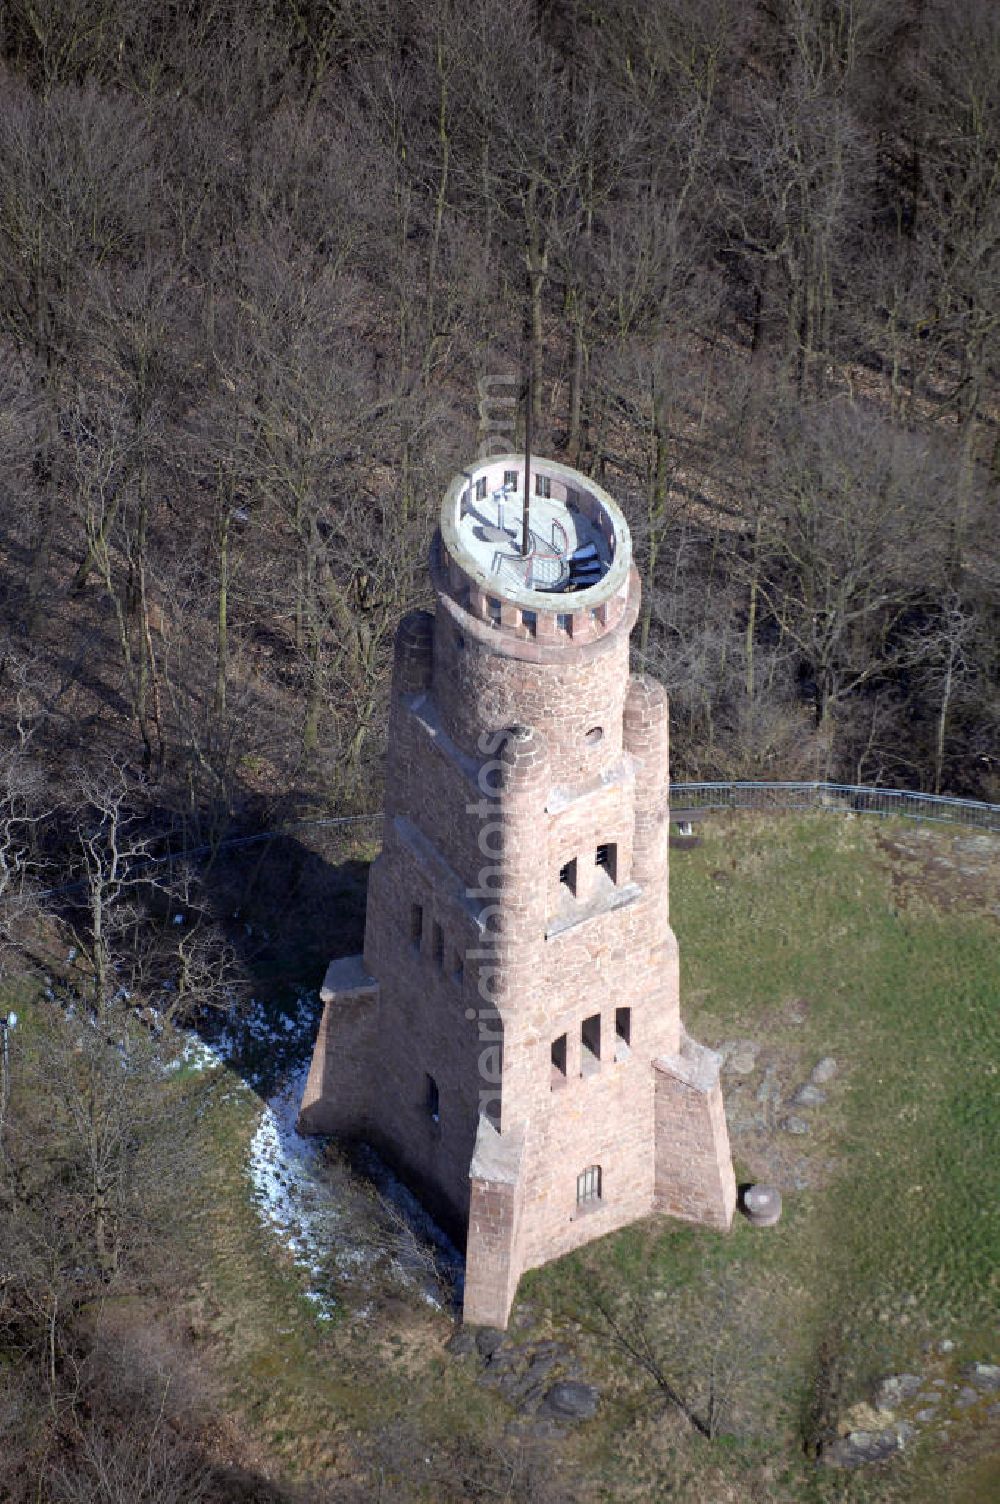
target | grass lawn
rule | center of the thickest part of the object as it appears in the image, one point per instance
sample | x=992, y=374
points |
x=825, y=936
x=876, y=946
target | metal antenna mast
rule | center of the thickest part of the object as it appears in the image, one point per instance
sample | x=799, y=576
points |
x=526, y=515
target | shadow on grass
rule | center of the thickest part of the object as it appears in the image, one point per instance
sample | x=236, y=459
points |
x=288, y=909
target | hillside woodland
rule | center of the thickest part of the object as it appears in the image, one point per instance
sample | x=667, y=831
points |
x=272, y=270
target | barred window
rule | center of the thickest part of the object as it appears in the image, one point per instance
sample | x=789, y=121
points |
x=588, y=1186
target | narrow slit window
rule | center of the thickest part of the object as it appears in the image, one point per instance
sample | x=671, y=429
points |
x=432, y=1100
x=590, y=1045
x=567, y=876
x=458, y=966
x=416, y=924
x=438, y=945
x=623, y=1033
x=588, y=1186
x=606, y=857
x=559, y=1062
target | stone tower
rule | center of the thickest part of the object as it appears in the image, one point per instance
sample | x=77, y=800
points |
x=511, y=1038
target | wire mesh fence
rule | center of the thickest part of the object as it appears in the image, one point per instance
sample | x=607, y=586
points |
x=334, y=840
x=696, y=798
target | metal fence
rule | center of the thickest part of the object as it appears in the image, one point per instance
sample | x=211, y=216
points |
x=695, y=798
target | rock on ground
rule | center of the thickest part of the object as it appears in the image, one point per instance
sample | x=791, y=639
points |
x=808, y=1095
x=571, y=1400
x=983, y=1375
x=861, y=1447
x=891, y=1392
x=739, y=1056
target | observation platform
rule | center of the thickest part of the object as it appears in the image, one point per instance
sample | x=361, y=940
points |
x=566, y=550
x=574, y=578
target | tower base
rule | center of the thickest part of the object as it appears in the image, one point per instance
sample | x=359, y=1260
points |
x=337, y=1089
x=694, y=1178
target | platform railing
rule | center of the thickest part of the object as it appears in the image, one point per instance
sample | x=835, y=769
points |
x=859, y=799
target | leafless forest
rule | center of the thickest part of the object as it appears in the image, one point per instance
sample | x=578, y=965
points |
x=260, y=260
x=257, y=260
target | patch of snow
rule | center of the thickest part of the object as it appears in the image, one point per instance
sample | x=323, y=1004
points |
x=197, y=1055
x=292, y=1188
x=286, y=1186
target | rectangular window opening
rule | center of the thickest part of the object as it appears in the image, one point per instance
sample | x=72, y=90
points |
x=606, y=857
x=493, y=608
x=559, y=1062
x=564, y=621
x=588, y=1186
x=437, y=949
x=567, y=876
x=416, y=924
x=432, y=1100
x=510, y=480
x=529, y=620
x=623, y=1033
x=481, y=488
x=543, y=486
x=590, y=1045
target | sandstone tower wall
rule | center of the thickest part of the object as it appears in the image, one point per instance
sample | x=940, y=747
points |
x=511, y=1037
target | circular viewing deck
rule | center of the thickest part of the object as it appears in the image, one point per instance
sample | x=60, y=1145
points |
x=571, y=580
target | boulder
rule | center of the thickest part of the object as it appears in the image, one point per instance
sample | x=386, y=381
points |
x=890, y=1393
x=983, y=1375
x=858, y=1448
x=488, y=1340
x=808, y=1095
x=461, y=1342
x=738, y=1056
x=570, y=1400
